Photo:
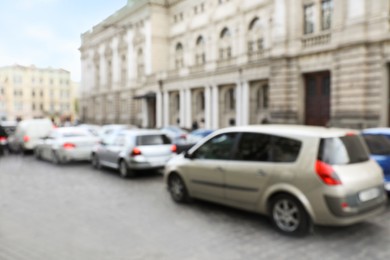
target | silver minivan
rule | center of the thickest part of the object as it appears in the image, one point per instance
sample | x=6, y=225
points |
x=131, y=151
x=297, y=175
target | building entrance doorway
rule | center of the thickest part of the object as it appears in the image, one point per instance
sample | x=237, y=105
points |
x=317, y=98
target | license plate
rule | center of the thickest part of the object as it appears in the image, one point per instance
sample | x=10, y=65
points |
x=387, y=186
x=369, y=194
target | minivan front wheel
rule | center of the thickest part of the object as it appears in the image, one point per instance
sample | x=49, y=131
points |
x=289, y=216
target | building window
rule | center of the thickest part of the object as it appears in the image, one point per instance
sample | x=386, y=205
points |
x=200, y=57
x=124, y=71
x=326, y=14
x=225, y=49
x=230, y=99
x=201, y=101
x=33, y=93
x=177, y=102
x=309, y=19
x=140, y=63
x=262, y=97
x=109, y=73
x=255, y=39
x=179, y=56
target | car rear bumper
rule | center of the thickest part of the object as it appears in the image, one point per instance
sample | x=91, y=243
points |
x=75, y=155
x=349, y=210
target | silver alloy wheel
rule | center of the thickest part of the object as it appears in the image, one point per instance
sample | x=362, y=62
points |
x=286, y=215
x=176, y=187
x=123, y=170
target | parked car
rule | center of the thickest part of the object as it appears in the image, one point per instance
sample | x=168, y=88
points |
x=107, y=130
x=28, y=133
x=176, y=134
x=7, y=129
x=297, y=175
x=197, y=135
x=133, y=150
x=378, y=141
x=66, y=144
x=93, y=129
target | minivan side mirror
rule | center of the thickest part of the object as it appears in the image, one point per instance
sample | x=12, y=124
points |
x=188, y=155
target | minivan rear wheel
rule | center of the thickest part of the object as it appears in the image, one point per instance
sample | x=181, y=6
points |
x=289, y=216
x=178, y=189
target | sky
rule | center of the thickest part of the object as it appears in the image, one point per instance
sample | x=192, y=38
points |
x=46, y=33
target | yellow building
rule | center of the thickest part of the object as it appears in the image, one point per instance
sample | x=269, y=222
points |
x=30, y=92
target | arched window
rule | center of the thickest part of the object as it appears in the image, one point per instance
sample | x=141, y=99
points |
x=225, y=46
x=179, y=56
x=201, y=101
x=255, y=36
x=140, y=63
x=230, y=99
x=200, y=56
x=262, y=97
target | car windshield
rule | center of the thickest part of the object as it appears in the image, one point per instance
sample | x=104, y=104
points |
x=342, y=150
x=74, y=134
x=152, y=140
x=378, y=144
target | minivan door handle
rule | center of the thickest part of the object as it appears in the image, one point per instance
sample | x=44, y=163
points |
x=261, y=173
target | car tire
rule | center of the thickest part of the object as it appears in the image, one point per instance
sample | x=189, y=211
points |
x=95, y=162
x=37, y=154
x=289, y=216
x=178, y=189
x=55, y=158
x=124, y=170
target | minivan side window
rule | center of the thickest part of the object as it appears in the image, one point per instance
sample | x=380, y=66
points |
x=254, y=147
x=285, y=149
x=218, y=148
x=267, y=148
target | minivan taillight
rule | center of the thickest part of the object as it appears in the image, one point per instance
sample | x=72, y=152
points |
x=136, y=151
x=68, y=146
x=326, y=173
x=26, y=138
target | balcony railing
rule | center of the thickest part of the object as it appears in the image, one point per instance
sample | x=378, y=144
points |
x=257, y=55
x=227, y=62
x=309, y=41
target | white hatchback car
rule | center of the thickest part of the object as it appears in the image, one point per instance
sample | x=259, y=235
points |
x=66, y=144
x=298, y=175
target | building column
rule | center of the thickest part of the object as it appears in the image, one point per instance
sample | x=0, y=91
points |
x=245, y=103
x=159, y=109
x=182, y=107
x=215, y=106
x=165, y=108
x=207, y=109
x=238, y=104
x=188, y=110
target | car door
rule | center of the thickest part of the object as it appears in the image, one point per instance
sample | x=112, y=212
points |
x=249, y=171
x=104, y=149
x=114, y=149
x=46, y=145
x=206, y=168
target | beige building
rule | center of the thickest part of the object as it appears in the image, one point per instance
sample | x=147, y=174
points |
x=29, y=92
x=238, y=62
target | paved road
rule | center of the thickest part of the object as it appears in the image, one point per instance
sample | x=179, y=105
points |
x=73, y=212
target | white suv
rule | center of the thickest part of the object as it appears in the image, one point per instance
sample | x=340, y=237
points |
x=298, y=175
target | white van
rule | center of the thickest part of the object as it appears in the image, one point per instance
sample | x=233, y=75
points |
x=28, y=132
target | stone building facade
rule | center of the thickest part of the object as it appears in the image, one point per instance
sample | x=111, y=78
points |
x=28, y=92
x=239, y=62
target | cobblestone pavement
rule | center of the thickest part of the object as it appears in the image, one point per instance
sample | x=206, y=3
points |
x=73, y=212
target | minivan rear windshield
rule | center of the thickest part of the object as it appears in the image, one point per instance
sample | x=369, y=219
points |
x=378, y=144
x=342, y=150
x=152, y=140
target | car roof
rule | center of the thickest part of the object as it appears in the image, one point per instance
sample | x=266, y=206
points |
x=378, y=131
x=142, y=132
x=293, y=130
x=71, y=129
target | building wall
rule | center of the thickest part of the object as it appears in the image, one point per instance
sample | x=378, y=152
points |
x=266, y=43
x=34, y=92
